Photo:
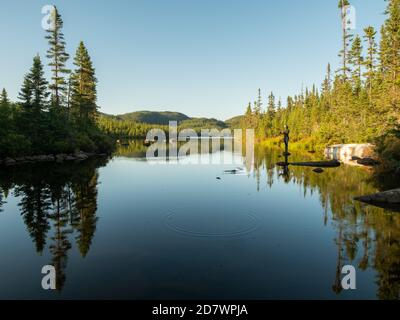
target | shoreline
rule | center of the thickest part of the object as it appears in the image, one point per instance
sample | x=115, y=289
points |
x=57, y=158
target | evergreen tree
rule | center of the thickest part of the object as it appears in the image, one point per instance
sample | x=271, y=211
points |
x=4, y=101
x=390, y=53
x=83, y=91
x=5, y=114
x=346, y=37
x=34, y=92
x=58, y=56
x=39, y=85
x=370, y=61
x=355, y=58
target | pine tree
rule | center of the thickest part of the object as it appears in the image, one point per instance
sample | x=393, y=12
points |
x=39, y=85
x=83, y=91
x=327, y=84
x=370, y=61
x=5, y=112
x=390, y=52
x=258, y=104
x=58, y=56
x=34, y=92
x=25, y=94
x=4, y=101
x=355, y=58
x=346, y=37
x=271, y=105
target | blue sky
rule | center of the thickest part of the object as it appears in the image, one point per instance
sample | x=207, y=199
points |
x=199, y=57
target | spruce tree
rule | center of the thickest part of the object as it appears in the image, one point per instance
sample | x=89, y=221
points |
x=58, y=58
x=25, y=94
x=39, y=85
x=346, y=37
x=370, y=60
x=83, y=88
x=33, y=94
x=4, y=101
x=355, y=58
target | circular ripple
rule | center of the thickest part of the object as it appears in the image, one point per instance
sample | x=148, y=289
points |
x=218, y=225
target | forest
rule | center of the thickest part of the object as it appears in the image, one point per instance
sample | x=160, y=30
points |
x=357, y=103
x=56, y=116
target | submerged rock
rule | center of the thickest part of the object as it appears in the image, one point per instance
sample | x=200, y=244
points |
x=389, y=197
x=9, y=162
x=368, y=162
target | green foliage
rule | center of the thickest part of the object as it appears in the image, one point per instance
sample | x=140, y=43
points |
x=129, y=126
x=355, y=109
x=84, y=95
x=39, y=126
x=58, y=58
x=235, y=122
x=152, y=117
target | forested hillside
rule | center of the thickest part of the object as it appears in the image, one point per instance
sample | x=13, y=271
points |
x=359, y=102
x=152, y=117
x=137, y=124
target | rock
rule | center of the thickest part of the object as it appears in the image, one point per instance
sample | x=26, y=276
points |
x=386, y=197
x=368, y=162
x=70, y=158
x=44, y=158
x=9, y=162
x=319, y=164
x=81, y=156
x=318, y=170
x=21, y=159
x=345, y=151
x=61, y=157
x=282, y=164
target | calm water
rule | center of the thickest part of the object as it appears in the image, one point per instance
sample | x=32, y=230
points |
x=126, y=228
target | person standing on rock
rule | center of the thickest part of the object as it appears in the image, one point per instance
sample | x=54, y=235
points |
x=286, y=138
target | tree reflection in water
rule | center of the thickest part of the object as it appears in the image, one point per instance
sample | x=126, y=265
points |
x=56, y=202
x=372, y=231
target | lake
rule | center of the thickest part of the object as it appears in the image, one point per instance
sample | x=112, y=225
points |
x=128, y=228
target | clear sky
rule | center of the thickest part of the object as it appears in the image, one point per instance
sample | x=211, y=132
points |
x=199, y=57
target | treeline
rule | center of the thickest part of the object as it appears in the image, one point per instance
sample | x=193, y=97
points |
x=126, y=128
x=358, y=103
x=56, y=116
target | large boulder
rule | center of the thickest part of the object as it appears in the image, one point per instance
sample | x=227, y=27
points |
x=388, y=197
x=387, y=200
x=81, y=156
x=70, y=158
x=9, y=162
x=60, y=157
x=368, y=162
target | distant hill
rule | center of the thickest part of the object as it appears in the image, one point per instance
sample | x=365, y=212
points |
x=152, y=117
x=164, y=117
x=202, y=123
x=234, y=123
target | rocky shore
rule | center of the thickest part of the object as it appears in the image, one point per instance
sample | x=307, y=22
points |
x=59, y=158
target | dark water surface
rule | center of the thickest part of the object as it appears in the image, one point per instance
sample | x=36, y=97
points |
x=126, y=228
